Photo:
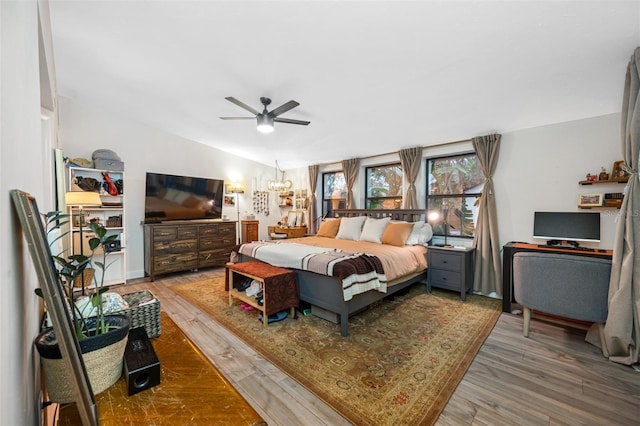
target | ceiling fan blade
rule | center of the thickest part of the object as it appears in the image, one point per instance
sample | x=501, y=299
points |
x=237, y=118
x=290, y=121
x=283, y=108
x=242, y=105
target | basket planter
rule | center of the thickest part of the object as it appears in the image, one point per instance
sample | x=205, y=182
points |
x=102, y=355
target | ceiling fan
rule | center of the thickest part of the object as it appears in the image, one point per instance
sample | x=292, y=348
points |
x=266, y=118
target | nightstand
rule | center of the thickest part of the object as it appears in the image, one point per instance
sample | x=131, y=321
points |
x=249, y=230
x=450, y=268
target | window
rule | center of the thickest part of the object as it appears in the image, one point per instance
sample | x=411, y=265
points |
x=454, y=185
x=384, y=187
x=334, y=192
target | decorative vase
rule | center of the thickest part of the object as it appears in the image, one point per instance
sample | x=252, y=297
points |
x=102, y=355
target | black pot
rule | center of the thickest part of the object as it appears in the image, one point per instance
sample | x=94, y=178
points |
x=47, y=343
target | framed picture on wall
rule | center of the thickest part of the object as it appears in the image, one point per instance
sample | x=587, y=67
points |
x=617, y=172
x=590, y=200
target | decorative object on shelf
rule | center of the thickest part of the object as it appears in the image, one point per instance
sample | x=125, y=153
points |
x=237, y=188
x=82, y=200
x=613, y=199
x=590, y=177
x=590, y=200
x=107, y=159
x=603, y=174
x=619, y=171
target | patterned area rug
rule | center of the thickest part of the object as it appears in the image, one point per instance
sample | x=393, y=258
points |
x=400, y=364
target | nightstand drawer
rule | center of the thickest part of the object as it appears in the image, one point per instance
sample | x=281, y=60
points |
x=446, y=279
x=447, y=261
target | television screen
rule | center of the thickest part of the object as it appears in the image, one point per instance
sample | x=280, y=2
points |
x=567, y=226
x=170, y=197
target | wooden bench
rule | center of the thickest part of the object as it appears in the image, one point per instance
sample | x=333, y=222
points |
x=280, y=288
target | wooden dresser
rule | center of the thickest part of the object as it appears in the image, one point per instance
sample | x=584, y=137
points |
x=292, y=232
x=185, y=245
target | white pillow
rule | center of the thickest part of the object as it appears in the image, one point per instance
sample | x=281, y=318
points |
x=350, y=228
x=414, y=236
x=426, y=234
x=373, y=229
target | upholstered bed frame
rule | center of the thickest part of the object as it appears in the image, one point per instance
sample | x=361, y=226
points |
x=326, y=293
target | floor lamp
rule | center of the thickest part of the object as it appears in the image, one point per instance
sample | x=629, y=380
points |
x=81, y=199
x=237, y=188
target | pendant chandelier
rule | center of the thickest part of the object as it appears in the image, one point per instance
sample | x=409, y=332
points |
x=277, y=185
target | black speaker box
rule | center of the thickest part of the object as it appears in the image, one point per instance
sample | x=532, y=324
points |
x=141, y=365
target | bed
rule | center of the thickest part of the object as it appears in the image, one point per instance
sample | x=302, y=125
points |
x=358, y=273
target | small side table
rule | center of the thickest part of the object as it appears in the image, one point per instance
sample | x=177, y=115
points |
x=249, y=230
x=450, y=268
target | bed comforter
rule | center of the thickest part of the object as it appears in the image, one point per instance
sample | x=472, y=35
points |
x=361, y=266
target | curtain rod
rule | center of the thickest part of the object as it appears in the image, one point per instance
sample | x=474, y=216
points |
x=395, y=152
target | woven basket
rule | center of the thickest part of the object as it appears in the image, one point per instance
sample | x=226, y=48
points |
x=143, y=314
x=104, y=368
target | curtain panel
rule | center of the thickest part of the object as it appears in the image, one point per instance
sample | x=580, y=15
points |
x=410, y=160
x=313, y=184
x=622, y=329
x=487, y=276
x=350, y=169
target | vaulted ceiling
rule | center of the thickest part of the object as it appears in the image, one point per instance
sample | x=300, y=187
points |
x=371, y=76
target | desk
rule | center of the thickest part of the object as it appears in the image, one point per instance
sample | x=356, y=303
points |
x=291, y=232
x=509, y=249
x=191, y=391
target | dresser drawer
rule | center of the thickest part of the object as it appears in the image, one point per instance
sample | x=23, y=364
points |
x=208, y=230
x=182, y=246
x=451, y=280
x=175, y=262
x=165, y=233
x=446, y=261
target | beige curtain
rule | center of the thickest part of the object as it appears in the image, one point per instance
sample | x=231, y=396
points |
x=622, y=330
x=487, y=276
x=350, y=169
x=313, y=184
x=410, y=159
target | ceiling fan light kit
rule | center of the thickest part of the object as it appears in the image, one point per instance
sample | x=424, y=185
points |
x=266, y=118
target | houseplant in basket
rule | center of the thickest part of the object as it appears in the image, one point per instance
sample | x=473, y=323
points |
x=102, y=337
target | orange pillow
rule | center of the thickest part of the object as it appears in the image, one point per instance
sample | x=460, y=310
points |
x=396, y=234
x=329, y=228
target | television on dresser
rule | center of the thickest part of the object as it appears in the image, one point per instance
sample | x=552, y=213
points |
x=173, y=197
x=571, y=227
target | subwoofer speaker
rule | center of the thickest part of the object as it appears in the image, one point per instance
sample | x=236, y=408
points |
x=141, y=365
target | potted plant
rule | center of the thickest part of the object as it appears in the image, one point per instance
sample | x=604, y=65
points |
x=102, y=337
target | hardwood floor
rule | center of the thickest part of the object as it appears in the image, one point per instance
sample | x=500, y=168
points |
x=551, y=378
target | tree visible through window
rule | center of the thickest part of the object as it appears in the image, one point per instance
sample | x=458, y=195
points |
x=334, y=192
x=384, y=187
x=454, y=185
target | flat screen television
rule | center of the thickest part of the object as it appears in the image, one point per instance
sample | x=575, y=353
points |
x=566, y=226
x=171, y=197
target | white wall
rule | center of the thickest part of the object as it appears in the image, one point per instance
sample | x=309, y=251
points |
x=84, y=129
x=23, y=165
x=538, y=170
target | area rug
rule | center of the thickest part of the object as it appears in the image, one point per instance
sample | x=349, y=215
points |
x=399, y=365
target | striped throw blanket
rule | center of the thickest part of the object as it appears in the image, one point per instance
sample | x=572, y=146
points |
x=359, y=272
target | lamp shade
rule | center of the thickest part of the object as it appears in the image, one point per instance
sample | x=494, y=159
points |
x=82, y=199
x=236, y=188
x=265, y=123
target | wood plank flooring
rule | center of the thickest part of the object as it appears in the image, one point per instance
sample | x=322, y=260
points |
x=552, y=378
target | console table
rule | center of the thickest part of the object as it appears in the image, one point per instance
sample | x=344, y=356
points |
x=509, y=249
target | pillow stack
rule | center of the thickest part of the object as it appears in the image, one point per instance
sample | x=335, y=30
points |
x=379, y=231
